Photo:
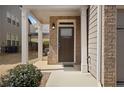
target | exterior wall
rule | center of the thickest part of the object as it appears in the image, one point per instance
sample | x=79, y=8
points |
x=52, y=58
x=109, y=33
x=6, y=27
x=92, y=40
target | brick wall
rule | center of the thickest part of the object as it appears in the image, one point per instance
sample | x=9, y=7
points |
x=52, y=58
x=109, y=33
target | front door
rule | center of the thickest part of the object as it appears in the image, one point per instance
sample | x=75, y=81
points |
x=66, y=44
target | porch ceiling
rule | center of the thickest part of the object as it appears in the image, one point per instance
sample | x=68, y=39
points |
x=43, y=12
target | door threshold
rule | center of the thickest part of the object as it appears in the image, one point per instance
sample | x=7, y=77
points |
x=67, y=63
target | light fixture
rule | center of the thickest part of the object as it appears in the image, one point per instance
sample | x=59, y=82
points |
x=53, y=26
x=20, y=7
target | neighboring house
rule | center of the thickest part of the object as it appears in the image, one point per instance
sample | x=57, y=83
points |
x=10, y=26
x=88, y=36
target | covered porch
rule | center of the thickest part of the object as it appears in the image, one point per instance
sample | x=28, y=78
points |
x=72, y=58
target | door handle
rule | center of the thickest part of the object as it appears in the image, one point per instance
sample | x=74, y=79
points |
x=89, y=59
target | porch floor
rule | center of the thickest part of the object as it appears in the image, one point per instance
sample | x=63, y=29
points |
x=66, y=76
x=71, y=79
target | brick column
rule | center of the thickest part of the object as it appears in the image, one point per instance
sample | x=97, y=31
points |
x=109, y=33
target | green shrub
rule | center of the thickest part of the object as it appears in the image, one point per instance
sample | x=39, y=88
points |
x=24, y=75
x=45, y=44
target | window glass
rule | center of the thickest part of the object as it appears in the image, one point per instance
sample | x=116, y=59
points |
x=66, y=32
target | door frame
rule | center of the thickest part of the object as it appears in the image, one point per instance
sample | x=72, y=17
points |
x=74, y=25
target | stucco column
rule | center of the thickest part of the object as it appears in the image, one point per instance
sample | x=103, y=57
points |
x=24, y=29
x=84, y=39
x=40, y=42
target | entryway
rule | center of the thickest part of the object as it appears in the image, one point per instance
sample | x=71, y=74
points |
x=66, y=44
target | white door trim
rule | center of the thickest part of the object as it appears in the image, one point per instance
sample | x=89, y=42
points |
x=74, y=25
x=99, y=40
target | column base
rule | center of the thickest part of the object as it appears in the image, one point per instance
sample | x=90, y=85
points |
x=40, y=58
x=84, y=68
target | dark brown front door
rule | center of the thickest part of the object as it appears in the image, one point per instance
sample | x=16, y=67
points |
x=66, y=44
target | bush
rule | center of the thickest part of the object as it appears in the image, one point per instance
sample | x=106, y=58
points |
x=45, y=44
x=24, y=75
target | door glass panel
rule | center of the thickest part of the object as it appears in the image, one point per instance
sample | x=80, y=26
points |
x=66, y=32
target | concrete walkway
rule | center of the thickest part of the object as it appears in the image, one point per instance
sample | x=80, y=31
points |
x=71, y=79
x=66, y=76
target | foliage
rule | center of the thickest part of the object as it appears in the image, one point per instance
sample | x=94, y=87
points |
x=45, y=44
x=24, y=75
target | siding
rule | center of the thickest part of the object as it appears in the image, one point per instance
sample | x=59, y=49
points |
x=92, y=39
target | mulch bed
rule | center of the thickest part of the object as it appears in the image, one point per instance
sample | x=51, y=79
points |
x=45, y=78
